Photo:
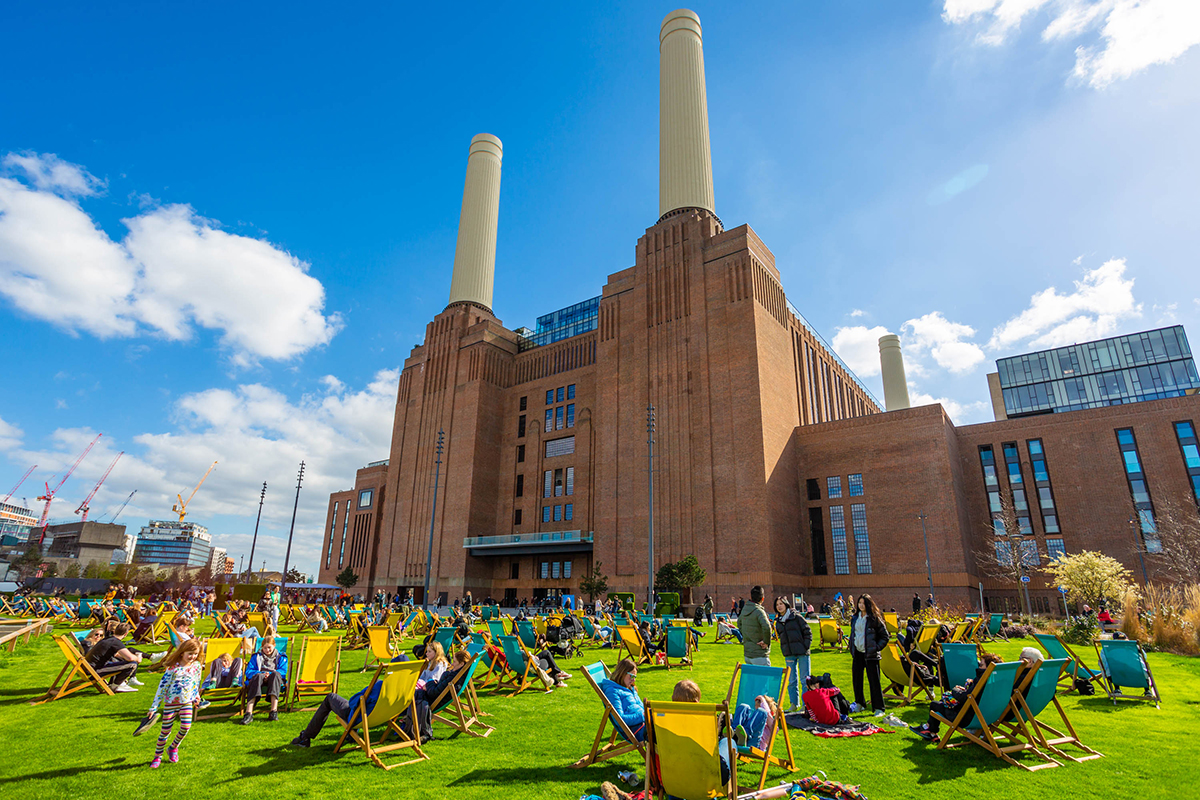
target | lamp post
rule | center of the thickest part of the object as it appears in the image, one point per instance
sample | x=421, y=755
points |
x=924, y=535
x=437, y=474
x=1137, y=546
x=254, y=541
x=650, y=494
x=288, y=555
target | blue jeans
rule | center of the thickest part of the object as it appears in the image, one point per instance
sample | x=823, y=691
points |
x=798, y=669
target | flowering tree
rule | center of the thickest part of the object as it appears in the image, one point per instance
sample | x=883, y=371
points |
x=1090, y=577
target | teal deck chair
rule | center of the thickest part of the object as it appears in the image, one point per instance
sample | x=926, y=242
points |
x=1124, y=665
x=679, y=647
x=749, y=681
x=520, y=666
x=459, y=699
x=994, y=624
x=445, y=637
x=961, y=661
x=526, y=632
x=496, y=629
x=1057, y=648
x=1033, y=696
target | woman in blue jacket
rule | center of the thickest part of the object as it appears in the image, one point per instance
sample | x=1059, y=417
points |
x=621, y=691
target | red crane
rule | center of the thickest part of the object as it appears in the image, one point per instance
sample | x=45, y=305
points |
x=13, y=490
x=83, y=507
x=50, y=493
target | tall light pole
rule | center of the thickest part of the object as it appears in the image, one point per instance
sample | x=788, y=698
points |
x=1138, y=546
x=924, y=535
x=650, y=538
x=257, y=519
x=288, y=555
x=437, y=474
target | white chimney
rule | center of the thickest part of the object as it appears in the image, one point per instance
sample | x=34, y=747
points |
x=475, y=253
x=684, y=156
x=895, y=385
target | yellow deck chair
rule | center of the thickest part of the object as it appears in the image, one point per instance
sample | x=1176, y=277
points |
x=832, y=635
x=397, y=685
x=631, y=643
x=76, y=667
x=213, y=649
x=904, y=682
x=682, y=740
x=960, y=630
x=320, y=668
x=892, y=620
x=748, y=682
x=159, y=632
x=927, y=636
x=379, y=646
x=258, y=621
x=621, y=740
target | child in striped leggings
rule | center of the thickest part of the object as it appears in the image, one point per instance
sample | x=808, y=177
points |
x=179, y=694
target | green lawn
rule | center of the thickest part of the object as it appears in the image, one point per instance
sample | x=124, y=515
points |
x=81, y=747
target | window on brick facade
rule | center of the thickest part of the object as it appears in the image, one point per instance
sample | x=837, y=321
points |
x=834, y=487
x=520, y=454
x=1189, y=446
x=558, y=513
x=566, y=569
x=816, y=532
x=545, y=570
x=545, y=513
x=332, y=533
x=561, y=394
x=568, y=511
x=558, y=418
x=554, y=569
x=560, y=447
x=570, y=415
x=856, y=485
x=521, y=426
x=549, y=419
x=1140, y=494
x=524, y=401
x=862, y=541
x=549, y=397
x=841, y=558
x=514, y=569
x=517, y=517
x=814, y=489
x=571, y=392
x=1055, y=548
x=558, y=482
x=570, y=481
x=548, y=483
x=520, y=486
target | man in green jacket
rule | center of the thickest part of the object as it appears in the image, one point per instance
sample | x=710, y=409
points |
x=755, y=628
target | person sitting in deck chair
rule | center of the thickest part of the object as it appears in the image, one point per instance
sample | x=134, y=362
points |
x=316, y=621
x=266, y=674
x=114, y=661
x=725, y=629
x=621, y=691
x=948, y=705
x=223, y=673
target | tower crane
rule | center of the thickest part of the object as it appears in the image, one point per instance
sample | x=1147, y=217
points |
x=181, y=507
x=85, y=506
x=13, y=490
x=50, y=493
x=122, y=508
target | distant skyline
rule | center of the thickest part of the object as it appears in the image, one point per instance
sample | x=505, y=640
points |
x=223, y=229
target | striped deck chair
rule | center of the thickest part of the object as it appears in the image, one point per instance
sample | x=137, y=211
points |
x=459, y=698
x=397, y=685
x=683, y=740
x=979, y=714
x=1124, y=666
x=904, y=683
x=519, y=668
x=631, y=642
x=1055, y=647
x=319, y=670
x=678, y=646
x=832, y=635
x=961, y=661
x=75, y=675
x=621, y=740
x=749, y=681
x=1037, y=692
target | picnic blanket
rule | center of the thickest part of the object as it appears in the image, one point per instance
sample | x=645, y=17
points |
x=801, y=721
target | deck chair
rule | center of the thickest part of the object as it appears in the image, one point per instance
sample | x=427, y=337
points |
x=832, y=635
x=214, y=649
x=519, y=667
x=960, y=662
x=994, y=623
x=445, y=637
x=496, y=630
x=1037, y=691
x=397, y=685
x=75, y=675
x=749, y=681
x=631, y=642
x=903, y=682
x=621, y=740
x=162, y=625
x=892, y=620
x=459, y=698
x=979, y=714
x=258, y=621
x=721, y=637
x=1055, y=647
x=678, y=646
x=590, y=629
x=379, y=646
x=683, y=741
x=524, y=629
x=1123, y=664
x=960, y=630
x=319, y=670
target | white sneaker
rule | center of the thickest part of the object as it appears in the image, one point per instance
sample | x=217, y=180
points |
x=793, y=710
x=135, y=682
x=157, y=657
x=894, y=721
x=124, y=687
x=880, y=713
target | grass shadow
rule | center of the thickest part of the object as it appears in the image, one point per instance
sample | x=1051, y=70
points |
x=111, y=765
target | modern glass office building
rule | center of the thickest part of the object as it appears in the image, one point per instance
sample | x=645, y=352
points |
x=1149, y=365
x=565, y=323
x=183, y=544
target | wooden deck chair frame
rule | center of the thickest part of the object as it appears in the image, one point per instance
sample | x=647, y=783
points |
x=460, y=699
x=891, y=666
x=315, y=688
x=621, y=739
x=1075, y=665
x=1112, y=689
x=1034, y=729
x=989, y=635
x=630, y=637
x=359, y=727
x=988, y=734
x=670, y=641
x=767, y=756
x=832, y=635
x=66, y=682
x=379, y=646
x=658, y=736
x=511, y=677
x=213, y=648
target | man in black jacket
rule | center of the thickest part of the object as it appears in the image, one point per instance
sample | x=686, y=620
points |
x=795, y=640
x=916, y=603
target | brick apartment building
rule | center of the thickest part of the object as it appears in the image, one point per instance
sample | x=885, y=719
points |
x=543, y=472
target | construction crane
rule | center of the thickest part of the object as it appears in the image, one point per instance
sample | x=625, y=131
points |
x=13, y=490
x=50, y=493
x=181, y=507
x=122, y=508
x=87, y=501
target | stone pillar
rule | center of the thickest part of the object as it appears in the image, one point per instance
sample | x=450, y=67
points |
x=684, y=156
x=475, y=253
x=895, y=384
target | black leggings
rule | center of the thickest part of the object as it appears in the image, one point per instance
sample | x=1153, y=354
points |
x=859, y=663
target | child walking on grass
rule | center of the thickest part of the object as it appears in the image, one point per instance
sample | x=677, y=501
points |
x=178, y=694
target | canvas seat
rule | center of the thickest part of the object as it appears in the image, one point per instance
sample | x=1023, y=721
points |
x=748, y=682
x=1123, y=665
x=397, y=686
x=319, y=669
x=682, y=755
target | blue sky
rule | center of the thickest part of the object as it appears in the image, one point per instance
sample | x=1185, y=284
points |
x=222, y=229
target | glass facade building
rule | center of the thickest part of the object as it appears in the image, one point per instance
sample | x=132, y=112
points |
x=1125, y=369
x=181, y=544
x=564, y=323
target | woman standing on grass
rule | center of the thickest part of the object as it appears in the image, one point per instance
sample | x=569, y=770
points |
x=868, y=638
x=179, y=694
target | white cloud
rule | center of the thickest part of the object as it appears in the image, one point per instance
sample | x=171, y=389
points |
x=332, y=384
x=257, y=434
x=858, y=346
x=50, y=173
x=1135, y=34
x=1101, y=301
x=174, y=270
x=944, y=340
x=961, y=413
x=10, y=435
x=858, y=312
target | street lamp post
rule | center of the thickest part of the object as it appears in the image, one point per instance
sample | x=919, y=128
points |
x=924, y=535
x=650, y=494
x=254, y=541
x=288, y=555
x=437, y=474
x=1138, y=546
